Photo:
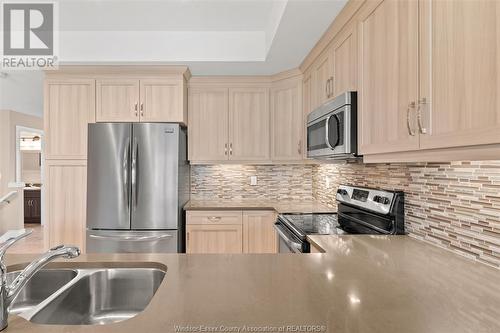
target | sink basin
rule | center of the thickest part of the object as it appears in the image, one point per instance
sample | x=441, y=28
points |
x=43, y=284
x=100, y=296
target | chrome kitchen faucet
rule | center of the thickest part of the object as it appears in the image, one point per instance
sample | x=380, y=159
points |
x=8, y=293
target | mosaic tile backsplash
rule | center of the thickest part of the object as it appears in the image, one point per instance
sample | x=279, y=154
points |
x=274, y=182
x=452, y=205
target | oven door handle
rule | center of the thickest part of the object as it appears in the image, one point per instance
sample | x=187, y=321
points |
x=293, y=246
x=368, y=225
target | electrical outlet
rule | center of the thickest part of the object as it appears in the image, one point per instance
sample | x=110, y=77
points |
x=253, y=180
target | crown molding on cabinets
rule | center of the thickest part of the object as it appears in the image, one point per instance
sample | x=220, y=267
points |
x=132, y=71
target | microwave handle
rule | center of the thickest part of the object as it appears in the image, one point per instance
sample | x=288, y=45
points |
x=327, y=132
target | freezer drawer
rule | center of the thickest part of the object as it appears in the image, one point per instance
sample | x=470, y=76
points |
x=105, y=241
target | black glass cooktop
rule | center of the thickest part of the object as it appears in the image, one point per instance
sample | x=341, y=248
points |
x=311, y=224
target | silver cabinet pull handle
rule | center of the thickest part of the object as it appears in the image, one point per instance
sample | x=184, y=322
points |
x=299, y=147
x=231, y=148
x=214, y=218
x=411, y=105
x=421, y=127
x=330, y=87
x=142, y=109
x=327, y=93
x=135, y=108
x=225, y=149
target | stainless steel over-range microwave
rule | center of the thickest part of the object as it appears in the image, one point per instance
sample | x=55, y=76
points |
x=332, y=129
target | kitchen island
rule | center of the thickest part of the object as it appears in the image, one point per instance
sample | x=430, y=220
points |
x=361, y=284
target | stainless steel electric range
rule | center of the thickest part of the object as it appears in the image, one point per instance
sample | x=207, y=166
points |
x=359, y=211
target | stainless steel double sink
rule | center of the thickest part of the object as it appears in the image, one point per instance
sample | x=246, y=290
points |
x=86, y=296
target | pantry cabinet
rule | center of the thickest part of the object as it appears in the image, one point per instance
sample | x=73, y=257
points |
x=388, y=76
x=287, y=120
x=66, y=197
x=69, y=105
x=459, y=102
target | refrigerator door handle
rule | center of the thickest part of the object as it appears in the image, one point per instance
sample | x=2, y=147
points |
x=134, y=173
x=132, y=238
x=126, y=158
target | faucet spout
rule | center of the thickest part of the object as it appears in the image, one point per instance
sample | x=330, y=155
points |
x=61, y=251
x=8, y=293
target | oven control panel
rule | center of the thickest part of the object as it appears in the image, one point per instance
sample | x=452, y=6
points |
x=378, y=201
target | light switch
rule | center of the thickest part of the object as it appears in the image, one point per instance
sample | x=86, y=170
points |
x=253, y=180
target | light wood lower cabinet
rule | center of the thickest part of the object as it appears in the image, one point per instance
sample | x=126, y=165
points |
x=66, y=191
x=259, y=235
x=231, y=232
x=222, y=238
x=214, y=232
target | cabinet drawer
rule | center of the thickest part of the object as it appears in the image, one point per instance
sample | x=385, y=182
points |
x=214, y=217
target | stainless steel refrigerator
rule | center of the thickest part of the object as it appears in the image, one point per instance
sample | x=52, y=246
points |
x=137, y=184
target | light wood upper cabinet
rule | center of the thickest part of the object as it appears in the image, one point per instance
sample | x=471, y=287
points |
x=117, y=100
x=208, y=124
x=307, y=92
x=69, y=105
x=66, y=202
x=460, y=73
x=259, y=234
x=388, y=79
x=162, y=100
x=345, y=61
x=249, y=124
x=322, y=78
x=145, y=100
x=287, y=120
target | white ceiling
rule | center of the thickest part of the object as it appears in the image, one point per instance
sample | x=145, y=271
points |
x=212, y=37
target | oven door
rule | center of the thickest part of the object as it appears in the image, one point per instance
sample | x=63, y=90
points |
x=327, y=136
x=287, y=242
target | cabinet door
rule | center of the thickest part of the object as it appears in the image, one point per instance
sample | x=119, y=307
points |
x=287, y=121
x=460, y=73
x=162, y=100
x=208, y=124
x=69, y=105
x=345, y=61
x=249, y=124
x=322, y=75
x=388, y=80
x=66, y=202
x=117, y=100
x=259, y=234
x=221, y=238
